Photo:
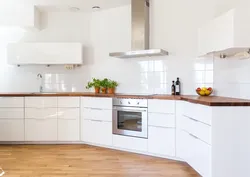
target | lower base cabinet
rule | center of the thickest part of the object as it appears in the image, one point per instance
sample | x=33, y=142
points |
x=161, y=141
x=11, y=129
x=68, y=130
x=196, y=153
x=40, y=129
x=97, y=132
x=130, y=143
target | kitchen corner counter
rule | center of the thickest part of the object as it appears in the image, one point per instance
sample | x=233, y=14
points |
x=208, y=101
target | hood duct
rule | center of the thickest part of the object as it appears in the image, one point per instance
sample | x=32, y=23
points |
x=140, y=33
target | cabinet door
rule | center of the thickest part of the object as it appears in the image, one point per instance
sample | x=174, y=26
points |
x=97, y=114
x=40, y=129
x=68, y=124
x=11, y=130
x=161, y=141
x=97, y=132
x=68, y=130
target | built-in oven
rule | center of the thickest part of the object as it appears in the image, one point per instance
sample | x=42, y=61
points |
x=130, y=117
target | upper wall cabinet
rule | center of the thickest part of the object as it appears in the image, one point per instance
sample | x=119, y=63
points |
x=44, y=53
x=25, y=16
x=227, y=35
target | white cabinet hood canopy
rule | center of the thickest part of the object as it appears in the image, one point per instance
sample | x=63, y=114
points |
x=140, y=33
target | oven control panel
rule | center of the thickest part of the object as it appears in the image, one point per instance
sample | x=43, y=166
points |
x=130, y=102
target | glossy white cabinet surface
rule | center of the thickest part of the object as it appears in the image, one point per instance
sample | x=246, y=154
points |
x=40, y=129
x=68, y=130
x=198, y=112
x=45, y=53
x=38, y=113
x=41, y=102
x=11, y=129
x=97, y=114
x=200, y=130
x=161, y=106
x=11, y=102
x=97, y=132
x=161, y=120
x=68, y=113
x=11, y=113
x=130, y=143
x=161, y=141
x=68, y=102
x=95, y=102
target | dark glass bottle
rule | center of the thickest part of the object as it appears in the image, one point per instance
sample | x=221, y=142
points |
x=173, y=89
x=178, y=87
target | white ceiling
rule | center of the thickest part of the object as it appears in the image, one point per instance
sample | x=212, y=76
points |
x=63, y=5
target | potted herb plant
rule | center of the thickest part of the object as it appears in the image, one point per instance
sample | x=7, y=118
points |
x=112, y=86
x=104, y=85
x=96, y=83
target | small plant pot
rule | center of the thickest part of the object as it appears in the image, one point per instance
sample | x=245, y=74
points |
x=111, y=90
x=97, y=89
x=104, y=90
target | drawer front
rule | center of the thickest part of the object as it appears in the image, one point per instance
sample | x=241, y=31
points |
x=68, y=113
x=199, y=112
x=37, y=113
x=11, y=102
x=199, y=156
x=161, y=106
x=161, y=120
x=130, y=143
x=68, y=102
x=68, y=130
x=11, y=113
x=97, y=132
x=97, y=114
x=100, y=103
x=40, y=102
x=200, y=130
x=161, y=141
x=40, y=130
x=12, y=130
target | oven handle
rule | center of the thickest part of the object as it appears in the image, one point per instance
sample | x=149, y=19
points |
x=130, y=109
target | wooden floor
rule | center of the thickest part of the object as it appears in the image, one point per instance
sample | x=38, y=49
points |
x=84, y=161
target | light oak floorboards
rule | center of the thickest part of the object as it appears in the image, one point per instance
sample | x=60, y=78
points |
x=85, y=161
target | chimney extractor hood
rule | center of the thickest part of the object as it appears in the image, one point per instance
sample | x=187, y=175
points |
x=140, y=33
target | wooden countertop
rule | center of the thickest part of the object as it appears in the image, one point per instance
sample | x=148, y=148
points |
x=208, y=101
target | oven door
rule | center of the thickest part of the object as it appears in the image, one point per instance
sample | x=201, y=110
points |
x=130, y=121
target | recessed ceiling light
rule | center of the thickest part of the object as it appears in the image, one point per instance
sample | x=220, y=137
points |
x=96, y=7
x=74, y=9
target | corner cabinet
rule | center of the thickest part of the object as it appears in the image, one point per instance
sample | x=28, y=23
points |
x=226, y=35
x=44, y=53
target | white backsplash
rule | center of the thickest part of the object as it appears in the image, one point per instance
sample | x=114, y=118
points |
x=103, y=32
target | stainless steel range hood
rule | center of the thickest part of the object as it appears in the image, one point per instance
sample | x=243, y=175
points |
x=140, y=33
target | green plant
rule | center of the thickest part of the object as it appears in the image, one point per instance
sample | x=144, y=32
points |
x=104, y=83
x=96, y=83
x=112, y=84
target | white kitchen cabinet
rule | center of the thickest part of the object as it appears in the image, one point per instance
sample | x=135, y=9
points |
x=161, y=141
x=130, y=143
x=97, y=132
x=44, y=53
x=68, y=124
x=40, y=102
x=161, y=106
x=161, y=120
x=68, y=102
x=96, y=102
x=26, y=16
x=11, y=102
x=11, y=129
x=97, y=114
x=41, y=129
x=226, y=34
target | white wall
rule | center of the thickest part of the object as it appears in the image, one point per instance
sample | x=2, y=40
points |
x=174, y=27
